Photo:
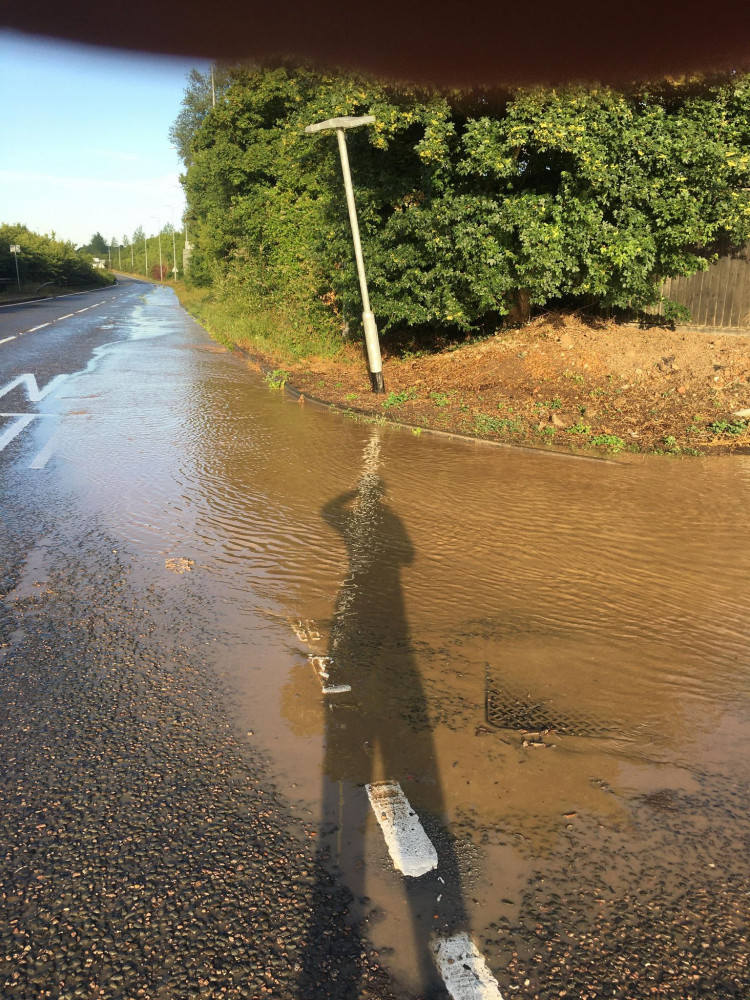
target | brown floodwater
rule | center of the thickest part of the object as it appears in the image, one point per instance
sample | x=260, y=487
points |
x=536, y=644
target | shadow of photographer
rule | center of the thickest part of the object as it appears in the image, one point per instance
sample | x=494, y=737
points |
x=377, y=727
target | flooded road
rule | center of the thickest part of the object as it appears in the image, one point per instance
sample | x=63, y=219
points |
x=546, y=658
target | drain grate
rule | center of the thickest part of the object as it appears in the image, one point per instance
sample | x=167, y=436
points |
x=506, y=708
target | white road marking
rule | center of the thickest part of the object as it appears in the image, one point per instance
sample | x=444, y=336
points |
x=464, y=970
x=66, y=316
x=46, y=453
x=33, y=393
x=411, y=850
x=15, y=428
x=5, y=341
x=35, y=328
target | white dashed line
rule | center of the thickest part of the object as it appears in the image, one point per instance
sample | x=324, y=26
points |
x=66, y=316
x=7, y=339
x=35, y=328
x=464, y=970
x=411, y=850
x=15, y=428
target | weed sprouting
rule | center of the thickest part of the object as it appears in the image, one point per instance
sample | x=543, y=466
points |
x=397, y=398
x=611, y=442
x=733, y=427
x=277, y=379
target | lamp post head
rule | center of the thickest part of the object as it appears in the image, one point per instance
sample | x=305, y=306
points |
x=348, y=121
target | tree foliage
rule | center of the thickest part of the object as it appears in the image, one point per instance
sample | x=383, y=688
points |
x=575, y=195
x=45, y=259
x=97, y=246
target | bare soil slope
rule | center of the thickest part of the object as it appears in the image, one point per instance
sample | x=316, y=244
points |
x=565, y=381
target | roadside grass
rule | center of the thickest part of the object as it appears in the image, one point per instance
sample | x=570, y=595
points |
x=237, y=321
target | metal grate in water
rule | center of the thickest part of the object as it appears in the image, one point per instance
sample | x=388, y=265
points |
x=506, y=708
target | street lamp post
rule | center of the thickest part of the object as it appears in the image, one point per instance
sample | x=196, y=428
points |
x=15, y=249
x=145, y=250
x=174, y=246
x=161, y=273
x=368, y=320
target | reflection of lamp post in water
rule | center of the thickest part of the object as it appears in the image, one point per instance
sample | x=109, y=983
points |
x=368, y=320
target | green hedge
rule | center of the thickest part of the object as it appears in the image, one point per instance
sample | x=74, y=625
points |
x=466, y=201
x=44, y=259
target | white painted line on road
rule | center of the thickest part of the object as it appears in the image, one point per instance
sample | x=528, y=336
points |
x=46, y=453
x=66, y=316
x=35, y=328
x=5, y=341
x=33, y=393
x=15, y=428
x=464, y=970
x=82, y=310
x=411, y=850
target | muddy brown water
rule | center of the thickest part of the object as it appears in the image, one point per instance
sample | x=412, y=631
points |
x=534, y=642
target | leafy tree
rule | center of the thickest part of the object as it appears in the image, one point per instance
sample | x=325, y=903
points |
x=45, y=259
x=97, y=245
x=466, y=201
x=197, y=102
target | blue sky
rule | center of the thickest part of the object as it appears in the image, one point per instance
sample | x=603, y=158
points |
x=84, y=143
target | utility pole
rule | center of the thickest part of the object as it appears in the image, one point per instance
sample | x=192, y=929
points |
x=368, y=320
x=145, y=250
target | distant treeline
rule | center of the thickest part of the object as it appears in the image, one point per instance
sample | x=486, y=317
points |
x=42, y=260
x=470, y=204
x=141, y=254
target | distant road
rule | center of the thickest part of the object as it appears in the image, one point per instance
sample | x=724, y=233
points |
x=51, y=336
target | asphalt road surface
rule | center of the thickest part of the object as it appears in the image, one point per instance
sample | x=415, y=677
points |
x=143, y=849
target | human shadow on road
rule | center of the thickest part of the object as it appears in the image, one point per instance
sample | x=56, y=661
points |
x=377, y=726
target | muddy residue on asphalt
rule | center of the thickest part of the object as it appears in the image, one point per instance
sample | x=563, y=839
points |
x=564, y=381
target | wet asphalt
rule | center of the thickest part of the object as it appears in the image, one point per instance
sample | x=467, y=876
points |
x=144, y=851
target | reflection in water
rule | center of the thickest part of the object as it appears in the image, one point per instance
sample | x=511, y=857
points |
x=376, y=722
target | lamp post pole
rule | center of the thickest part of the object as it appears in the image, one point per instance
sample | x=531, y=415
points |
x=161, y=273
x=145, y=250
x=368, y=320
x=174, y=246
x=15, y=250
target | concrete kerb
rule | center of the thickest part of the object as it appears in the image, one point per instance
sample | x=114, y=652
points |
x=297, y=394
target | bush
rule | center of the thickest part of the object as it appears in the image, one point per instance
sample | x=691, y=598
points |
x=468, y=203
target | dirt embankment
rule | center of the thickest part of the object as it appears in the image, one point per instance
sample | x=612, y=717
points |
x=562, y=381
